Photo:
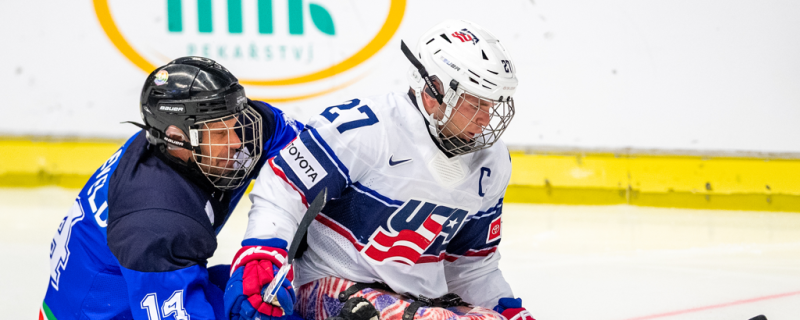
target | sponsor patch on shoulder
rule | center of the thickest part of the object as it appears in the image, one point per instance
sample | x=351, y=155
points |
x=303, y=163
x=494, y=230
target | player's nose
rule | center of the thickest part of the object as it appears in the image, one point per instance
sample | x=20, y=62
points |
x=234, y=141
x=482, y=119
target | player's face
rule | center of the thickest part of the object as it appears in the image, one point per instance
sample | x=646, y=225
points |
x=469, y=117
x=219, y=146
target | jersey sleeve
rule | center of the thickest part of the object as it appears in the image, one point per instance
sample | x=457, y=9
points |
x=163, y=256
x=279, y=128
x=333, y=150
x=471, y=268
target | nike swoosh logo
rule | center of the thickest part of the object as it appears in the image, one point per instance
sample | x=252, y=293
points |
x=394, y=163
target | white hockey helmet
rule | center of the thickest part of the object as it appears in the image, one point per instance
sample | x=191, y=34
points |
x=478, y=80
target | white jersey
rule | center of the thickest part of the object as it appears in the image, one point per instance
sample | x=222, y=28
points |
x=399, y=211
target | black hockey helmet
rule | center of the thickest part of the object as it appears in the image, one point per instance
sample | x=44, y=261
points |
x=199, y=96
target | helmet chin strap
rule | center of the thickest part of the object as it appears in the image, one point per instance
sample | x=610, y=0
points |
x=160, y=135
x=449, y=99
x=422, y=72
x=430, y=120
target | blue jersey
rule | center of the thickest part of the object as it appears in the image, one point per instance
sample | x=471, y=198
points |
x=136, y=241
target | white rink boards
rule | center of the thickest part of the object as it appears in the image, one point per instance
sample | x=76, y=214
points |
x=566, y=262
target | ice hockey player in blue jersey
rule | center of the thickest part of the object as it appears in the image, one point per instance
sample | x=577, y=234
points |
x=136, y=241
x=415, y=184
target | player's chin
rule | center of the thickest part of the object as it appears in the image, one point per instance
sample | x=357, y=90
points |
x=223, y=169
x=467, y=137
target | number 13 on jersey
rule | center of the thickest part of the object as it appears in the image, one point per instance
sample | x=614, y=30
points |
x=365, y=117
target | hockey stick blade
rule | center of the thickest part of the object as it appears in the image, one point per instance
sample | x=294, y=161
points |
x=269, y=293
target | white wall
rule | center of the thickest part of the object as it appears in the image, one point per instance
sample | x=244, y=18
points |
x=699, y=75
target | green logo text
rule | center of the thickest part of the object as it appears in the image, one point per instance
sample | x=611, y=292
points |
x=319, y=16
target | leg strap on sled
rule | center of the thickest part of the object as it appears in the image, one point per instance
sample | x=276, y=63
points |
x=446, y=301
x=344, y=295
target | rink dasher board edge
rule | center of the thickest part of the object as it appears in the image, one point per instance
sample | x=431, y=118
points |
x=680, y=181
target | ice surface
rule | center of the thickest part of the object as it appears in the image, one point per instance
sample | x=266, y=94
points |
x=566, y=262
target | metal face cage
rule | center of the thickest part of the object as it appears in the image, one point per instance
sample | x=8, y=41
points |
x=226, y=149
x=473, y=123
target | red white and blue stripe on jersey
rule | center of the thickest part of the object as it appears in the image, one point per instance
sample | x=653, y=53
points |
x=382, y=228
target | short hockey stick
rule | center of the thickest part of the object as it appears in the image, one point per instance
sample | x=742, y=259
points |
x=316, y=206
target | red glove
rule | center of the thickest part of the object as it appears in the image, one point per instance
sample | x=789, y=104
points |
x=512, y=309
x=260, y=264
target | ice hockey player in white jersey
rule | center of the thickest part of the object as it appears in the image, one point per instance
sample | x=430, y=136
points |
x=415, y=184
